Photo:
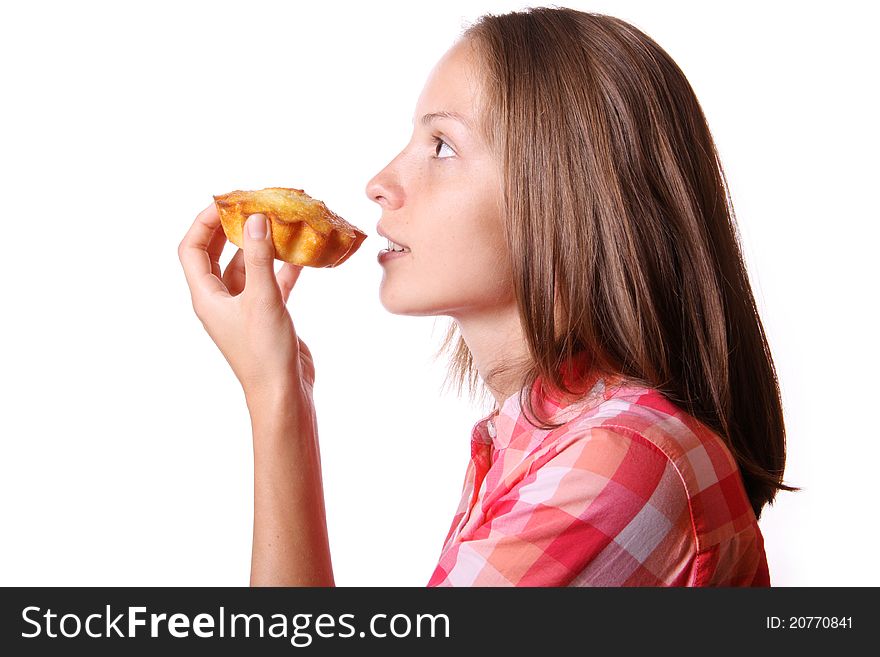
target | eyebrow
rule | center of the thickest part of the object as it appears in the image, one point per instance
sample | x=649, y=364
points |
x=443, y=114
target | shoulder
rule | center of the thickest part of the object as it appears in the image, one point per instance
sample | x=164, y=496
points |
x=627, y=491
x=614, y=501
x=668, y=454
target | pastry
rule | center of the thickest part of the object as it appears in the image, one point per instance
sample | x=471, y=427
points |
x=303, y=229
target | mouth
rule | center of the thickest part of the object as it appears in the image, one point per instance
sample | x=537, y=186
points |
x=396, y=248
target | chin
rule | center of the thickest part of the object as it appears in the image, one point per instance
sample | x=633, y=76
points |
x=394, y=303
x=398, y=304
x=405, y=309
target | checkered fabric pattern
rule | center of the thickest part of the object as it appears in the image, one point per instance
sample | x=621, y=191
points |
x=630, y=491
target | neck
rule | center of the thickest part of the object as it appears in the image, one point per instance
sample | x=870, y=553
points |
x=494, y=339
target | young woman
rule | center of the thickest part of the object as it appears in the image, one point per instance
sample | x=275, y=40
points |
x=562, y=202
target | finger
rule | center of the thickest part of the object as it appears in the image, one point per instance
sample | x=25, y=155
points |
x=194, y=256
x=259, y=260
x=304, y=349
x=233, y=277
x=215, y=249
x=287, y=277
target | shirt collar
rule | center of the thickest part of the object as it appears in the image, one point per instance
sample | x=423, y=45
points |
x=506, y=424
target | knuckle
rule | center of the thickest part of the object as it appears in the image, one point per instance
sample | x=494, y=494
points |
x=202, y=306
x=256, y=307
x=198, y=308
x=264, y=306
x=262, y=258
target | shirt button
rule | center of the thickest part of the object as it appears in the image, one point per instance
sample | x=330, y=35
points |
x=490, y=426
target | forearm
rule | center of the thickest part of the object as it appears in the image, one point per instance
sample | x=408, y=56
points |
x=290, y=543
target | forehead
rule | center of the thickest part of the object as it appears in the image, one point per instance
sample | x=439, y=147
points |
x=452, y=85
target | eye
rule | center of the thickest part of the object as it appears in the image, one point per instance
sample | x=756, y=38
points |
x=438, y=146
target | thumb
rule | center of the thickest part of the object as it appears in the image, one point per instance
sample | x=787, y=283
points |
x=259, y=257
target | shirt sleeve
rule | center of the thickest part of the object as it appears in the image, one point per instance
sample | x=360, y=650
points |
x=599, y=509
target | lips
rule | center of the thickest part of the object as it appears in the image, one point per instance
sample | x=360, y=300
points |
x=393, y=244
x=385, y=255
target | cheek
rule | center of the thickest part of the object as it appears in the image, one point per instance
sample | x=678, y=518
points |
x=456, y=215
x=480, y=266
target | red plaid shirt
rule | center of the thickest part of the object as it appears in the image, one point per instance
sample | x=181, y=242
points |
x=630, y=491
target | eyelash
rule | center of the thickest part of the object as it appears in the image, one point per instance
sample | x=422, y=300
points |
x=437, y=141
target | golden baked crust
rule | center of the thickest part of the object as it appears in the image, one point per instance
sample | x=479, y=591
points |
x=304, y=230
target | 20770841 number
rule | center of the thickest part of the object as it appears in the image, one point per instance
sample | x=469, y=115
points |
x=809, y=622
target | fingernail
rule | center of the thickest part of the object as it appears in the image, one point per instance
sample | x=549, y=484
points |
x=256, y=226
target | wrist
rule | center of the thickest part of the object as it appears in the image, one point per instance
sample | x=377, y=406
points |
x=281, y=409
x=276, y=395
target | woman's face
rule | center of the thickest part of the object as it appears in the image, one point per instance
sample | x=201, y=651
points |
x=440, y=198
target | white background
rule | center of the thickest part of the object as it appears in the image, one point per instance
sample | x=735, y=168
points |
x=125, y=446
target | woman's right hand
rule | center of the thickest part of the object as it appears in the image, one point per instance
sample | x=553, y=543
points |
x=245, y=313
x=244, y=310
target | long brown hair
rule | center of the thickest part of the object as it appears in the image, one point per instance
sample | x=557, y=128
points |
x=621, y=230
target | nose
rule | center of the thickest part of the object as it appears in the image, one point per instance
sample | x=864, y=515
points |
x=384, y=188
